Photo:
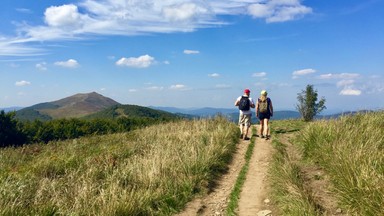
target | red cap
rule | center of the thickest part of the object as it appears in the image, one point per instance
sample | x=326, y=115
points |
x=247, y=91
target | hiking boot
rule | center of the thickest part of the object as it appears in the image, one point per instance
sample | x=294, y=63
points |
x=246, y=138
x=241, y=136
x=262, y=136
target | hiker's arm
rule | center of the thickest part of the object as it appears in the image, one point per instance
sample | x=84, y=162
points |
x=257, y=109
x=252, y=104
x=237, y=103
x=271, y=107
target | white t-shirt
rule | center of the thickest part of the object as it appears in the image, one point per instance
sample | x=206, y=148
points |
x=247, y=112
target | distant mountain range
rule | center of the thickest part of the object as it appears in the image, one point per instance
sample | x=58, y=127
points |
x=94, y=105
x=231, y=114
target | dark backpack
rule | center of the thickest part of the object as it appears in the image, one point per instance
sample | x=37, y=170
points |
x=244, y=104
x=264, y=106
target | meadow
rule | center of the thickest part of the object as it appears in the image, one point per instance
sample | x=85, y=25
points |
x=323, y=167
x=149, y=171
x=345, y=153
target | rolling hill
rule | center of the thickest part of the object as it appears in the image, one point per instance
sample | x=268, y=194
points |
x=131, y=111
x=78, y=105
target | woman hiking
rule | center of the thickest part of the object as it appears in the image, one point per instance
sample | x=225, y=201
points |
x=264, y=111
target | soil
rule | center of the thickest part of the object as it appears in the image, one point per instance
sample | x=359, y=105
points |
x=254, y=199
x=254, y=195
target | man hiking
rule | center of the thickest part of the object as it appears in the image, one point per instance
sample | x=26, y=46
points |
x=264, y=111
x=245, y=103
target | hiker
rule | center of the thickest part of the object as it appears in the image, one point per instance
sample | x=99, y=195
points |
x=264, y=111
x=245, y=103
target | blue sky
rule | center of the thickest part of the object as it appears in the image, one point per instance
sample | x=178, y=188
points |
x=188, y=54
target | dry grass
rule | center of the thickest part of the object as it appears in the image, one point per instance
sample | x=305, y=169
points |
x=152, y=171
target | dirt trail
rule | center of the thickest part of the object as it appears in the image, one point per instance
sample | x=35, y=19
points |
x=254, y=197
x=254, y=191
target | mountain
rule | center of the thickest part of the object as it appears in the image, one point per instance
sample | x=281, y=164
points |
x=200, y=112
x=78, y=105
x=134, y=111
x=231, y=114
x=10, y=109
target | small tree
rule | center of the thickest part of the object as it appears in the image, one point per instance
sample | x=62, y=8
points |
x=308, y=106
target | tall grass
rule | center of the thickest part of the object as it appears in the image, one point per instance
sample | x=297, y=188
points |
x=351, y=150
x=289, y=192
x=151, y=171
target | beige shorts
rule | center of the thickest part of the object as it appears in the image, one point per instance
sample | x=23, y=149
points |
x=245, y=119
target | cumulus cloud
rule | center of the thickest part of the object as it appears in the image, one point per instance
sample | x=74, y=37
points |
x=259, y=74
x=350, y=91
x=71, y=63
x=214, y=75
x=191, y=52
x=143, y=61
x=177, y=87
x=22, y=83
x=41, y=66
x=65, y=15
x=296, y=74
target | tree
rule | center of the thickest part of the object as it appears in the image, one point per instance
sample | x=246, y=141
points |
x=10, y=133
x=308, y=106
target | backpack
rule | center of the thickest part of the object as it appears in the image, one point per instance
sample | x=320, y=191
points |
x=263, y=106
x=244, y=104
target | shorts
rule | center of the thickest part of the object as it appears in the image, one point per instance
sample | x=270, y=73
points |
x=264, y=116
x=245, y=119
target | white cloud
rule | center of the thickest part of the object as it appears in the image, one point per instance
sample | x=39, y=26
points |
x=65, y=15
x=214, y=75
x=41, y=66
x=71, y=63
x=184, y=11
x=22, y=83
x=349, y=91
x=155, y=88
x=303, y=72
x=278, y=10
x=339, y=76
x=177, y=87
x=132, y=90
x=122, y=17
x=259, y=74
x=342, y=83
x=139, y=62
x=191, y=52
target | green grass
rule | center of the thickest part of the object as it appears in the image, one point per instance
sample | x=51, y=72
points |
x=152, y=171
x=289, y=193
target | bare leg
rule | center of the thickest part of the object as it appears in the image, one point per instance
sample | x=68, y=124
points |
x=246, y=131
x=267, y=132
x=261, y=129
